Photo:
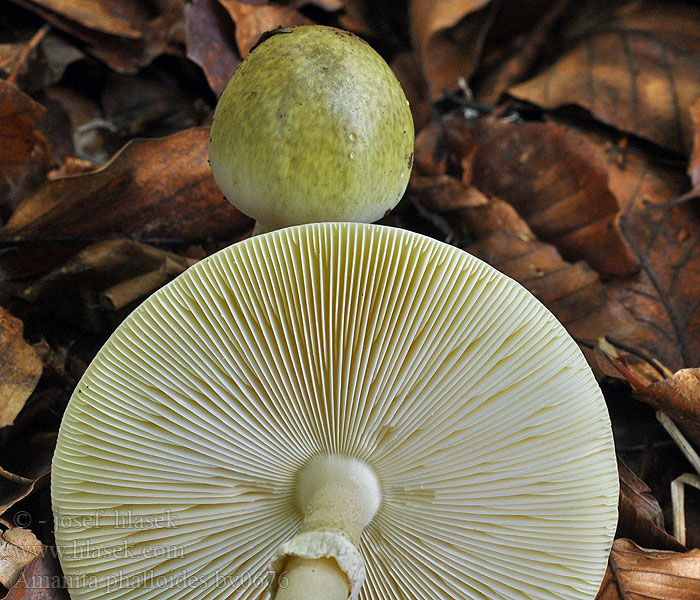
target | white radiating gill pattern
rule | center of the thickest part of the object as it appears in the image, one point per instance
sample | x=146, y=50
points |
x=466, y=397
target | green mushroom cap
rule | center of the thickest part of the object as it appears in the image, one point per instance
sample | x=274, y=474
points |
x=313, y=127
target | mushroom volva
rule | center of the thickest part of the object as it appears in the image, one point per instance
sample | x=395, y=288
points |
x=336, y=411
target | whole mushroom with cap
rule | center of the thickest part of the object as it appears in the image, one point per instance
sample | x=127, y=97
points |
x=363, y=410
x=312, y=127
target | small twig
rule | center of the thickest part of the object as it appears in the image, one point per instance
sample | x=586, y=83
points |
x=26, y=51
x=638, y=353
x=678, y=502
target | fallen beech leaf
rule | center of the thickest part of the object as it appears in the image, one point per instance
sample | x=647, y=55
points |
x=679, y=397
x=252, y=20
x=444, y=193
x=509, y=58
x=640, y=514
x=656, y=310
x=123, y=33
x=448, y=36
x=209, y=35
x=20, y=368
x=152, y=189
x=41, y=580
x=18, y=547
x=110, y=274
x=638, y=73
x=118, y=17
x=557, y=180
x=24, y=152
x=663, y=295
x=637, y=574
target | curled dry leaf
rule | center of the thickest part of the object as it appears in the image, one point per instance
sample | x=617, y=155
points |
x=41, y=580
x=510, y=57
x=557, y=180
x=448, y=36
x=209, y=35
x=663, y=295
x=24, y=152
x=641, y=518
x=656, y=309
x=152, y=189
x=109, y=274
x=252, y=20
x=122, y=33
x=20, y=368
x=637, y=573
x=638, y=73
x=18, y=547
x=679, y=397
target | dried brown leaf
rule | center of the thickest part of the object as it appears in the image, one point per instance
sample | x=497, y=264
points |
x=152, y=189
x=209, y=35
x=24, y=151
x=41, y=580
x=122, y=33
x=663, y=296
x=510, y=57
x=635, y=573
x=253, y=20
x=679, y=397
x=557, y=180
x=109, y=274
x=638, y=73
x=656, y=310
x=641, y=518
x=448, y=36
x=18, y=547
x=20, y=368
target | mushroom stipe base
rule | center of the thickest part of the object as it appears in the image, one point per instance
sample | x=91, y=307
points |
x=345, y=401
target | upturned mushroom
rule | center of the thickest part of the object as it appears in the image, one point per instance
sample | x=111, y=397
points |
x=312, y=127
x=363, y=410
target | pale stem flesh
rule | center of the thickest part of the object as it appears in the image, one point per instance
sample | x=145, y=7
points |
x=337, y=496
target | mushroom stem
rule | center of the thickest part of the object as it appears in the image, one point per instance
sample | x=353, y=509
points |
x=338, y=497
x=319, y=578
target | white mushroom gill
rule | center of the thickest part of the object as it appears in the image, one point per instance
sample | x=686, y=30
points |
x=462, y=416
